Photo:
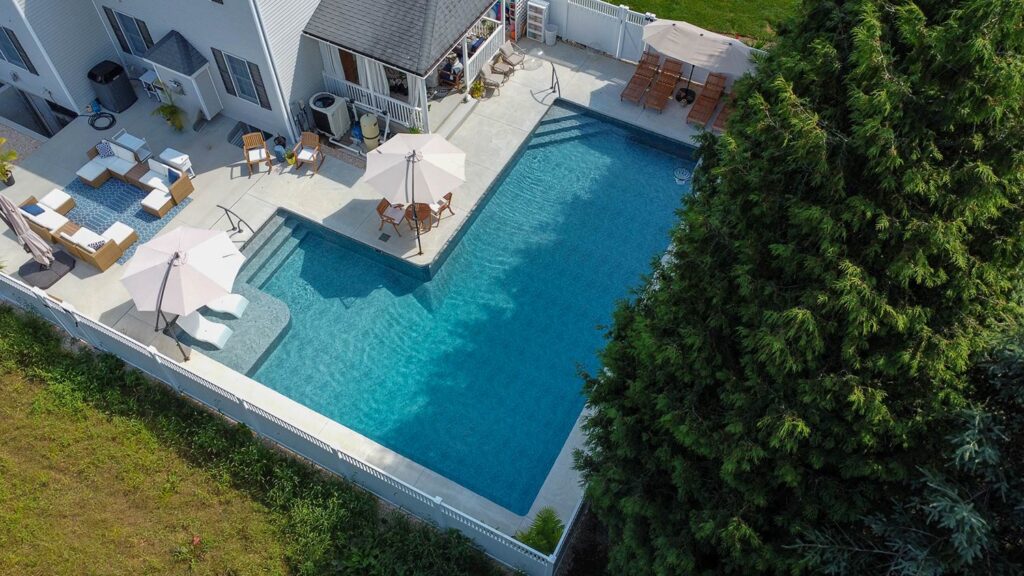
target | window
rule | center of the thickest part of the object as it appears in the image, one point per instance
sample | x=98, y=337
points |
x=11, y=50
x=241, y=78
x=132, y=33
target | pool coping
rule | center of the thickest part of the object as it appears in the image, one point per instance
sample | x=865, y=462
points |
x=561, y=476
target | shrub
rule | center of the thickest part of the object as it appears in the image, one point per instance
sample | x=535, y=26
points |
x=544, y=533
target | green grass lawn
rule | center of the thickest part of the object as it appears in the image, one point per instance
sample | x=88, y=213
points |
x=753, y=18
x=105, y=472
x=85, y=493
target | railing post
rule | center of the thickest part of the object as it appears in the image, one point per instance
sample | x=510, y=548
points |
x=442, y=519
x=623, y=16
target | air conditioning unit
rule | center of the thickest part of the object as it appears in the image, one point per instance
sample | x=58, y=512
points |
x=330, y=114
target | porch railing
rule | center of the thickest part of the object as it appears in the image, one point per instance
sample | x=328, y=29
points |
x=398, y=111
x=485, y=53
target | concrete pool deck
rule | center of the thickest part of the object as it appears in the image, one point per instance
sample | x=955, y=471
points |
x=489, y=131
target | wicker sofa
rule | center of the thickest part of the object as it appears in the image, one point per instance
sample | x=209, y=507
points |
x=83, y=244
x=167, y=187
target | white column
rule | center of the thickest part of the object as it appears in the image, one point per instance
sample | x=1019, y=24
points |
x=424, y=107
x=465, y=65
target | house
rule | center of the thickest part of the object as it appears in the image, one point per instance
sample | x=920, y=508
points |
x=46, y=49
x=255, y=61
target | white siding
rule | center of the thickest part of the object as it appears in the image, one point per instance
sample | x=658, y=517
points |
x=75, y=40
x=46, y=83
x=296, y=58
x=229, y=27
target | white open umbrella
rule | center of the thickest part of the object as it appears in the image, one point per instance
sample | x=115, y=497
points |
x=415, y=168
x=699, y=47
x=182, y=271
x=39, y=249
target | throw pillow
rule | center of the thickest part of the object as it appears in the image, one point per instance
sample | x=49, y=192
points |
x=172, y=176
x=33, y=209
x=105, y=149
x=94, y=246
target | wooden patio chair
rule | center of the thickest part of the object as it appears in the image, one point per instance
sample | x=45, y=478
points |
x=445, y=204
x=664, y=85
x=255, y=150
x=389, y=215
x=307, y=151
x=707, y=101
x=645, y=73
x=723, y=116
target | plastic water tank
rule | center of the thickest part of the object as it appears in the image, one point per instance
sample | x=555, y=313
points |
x=371, y=132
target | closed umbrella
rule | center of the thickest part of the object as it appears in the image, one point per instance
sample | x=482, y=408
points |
x=39, y=249
x=182, y=271
x=411, y=168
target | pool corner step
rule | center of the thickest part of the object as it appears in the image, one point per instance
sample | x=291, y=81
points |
x=290, y=240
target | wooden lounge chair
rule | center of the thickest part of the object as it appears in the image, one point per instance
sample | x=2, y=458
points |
x=706, y=102
x=723, y=116
x=256, y=151
x=390, y=215
x=307, y=151
x=664, y=85
x=645, y=73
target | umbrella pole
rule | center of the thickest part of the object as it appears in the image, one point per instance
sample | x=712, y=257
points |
x=690, y=77
x=415, y=212
x=160, y=296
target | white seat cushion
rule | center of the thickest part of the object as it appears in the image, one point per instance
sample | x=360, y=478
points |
x=55, y=198
x=84, y=237
x=92, y=170
x=49, y=219
x=119, y=166
x=155, y=181
x=118, y=232
x=156, y=200
x=123, y=153
x=307, y=154
x=395, y=213
x=257, y=155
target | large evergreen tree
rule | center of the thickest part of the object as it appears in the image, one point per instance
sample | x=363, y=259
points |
x=852, y=241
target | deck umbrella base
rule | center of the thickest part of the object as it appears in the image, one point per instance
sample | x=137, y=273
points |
x=33, y=273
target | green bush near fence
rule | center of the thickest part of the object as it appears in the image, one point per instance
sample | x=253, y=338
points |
x=330, y=526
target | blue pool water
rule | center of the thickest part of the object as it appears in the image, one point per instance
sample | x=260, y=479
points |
x=474, y=374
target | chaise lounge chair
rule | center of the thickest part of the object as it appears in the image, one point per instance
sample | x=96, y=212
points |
x=232, y=305
x=491, y=80
x=723, y=116
x=664, y=85
x=203, y=330
x=645, y=72
x=705, y=105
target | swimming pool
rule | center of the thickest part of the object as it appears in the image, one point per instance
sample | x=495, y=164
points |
x=474, y=373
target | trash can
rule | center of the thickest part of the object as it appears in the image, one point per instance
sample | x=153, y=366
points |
x=110, y=81
x=550, y=34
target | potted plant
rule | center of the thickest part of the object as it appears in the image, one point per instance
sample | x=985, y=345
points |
x=289, y=157
x=174, y=116
x=7, y=157
x=477, y=90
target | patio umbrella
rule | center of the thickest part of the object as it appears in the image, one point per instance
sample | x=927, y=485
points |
x=39, y=249
x=699, y=47
x=182, y=271
x=411, y=168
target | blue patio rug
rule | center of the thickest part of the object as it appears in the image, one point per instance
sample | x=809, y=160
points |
x=116, y=201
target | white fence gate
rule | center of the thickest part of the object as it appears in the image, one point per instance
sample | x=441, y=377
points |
x=291, y=435
x=615, y=30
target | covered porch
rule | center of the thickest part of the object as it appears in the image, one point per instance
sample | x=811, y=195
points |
x=412, y=79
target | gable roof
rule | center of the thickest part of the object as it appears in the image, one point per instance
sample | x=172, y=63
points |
x=176, y=53
x=413, y=35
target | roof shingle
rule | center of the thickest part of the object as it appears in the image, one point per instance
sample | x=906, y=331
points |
x=413, y=35
x=175, y=52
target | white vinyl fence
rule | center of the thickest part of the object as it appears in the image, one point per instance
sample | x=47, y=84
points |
x=614, y=30
x=266, y=420
x=485, y=53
